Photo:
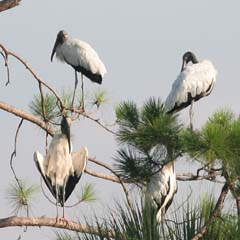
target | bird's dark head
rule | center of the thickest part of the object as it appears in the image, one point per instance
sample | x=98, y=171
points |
x=65, y=128
x=188, y=57
x=61, y=38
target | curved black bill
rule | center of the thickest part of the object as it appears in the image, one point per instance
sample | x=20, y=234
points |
x=54, y=49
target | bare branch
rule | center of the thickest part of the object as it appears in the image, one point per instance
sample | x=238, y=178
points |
x=42, y=102
x=50, y=222
x=108, y=167
x=215, y=214
x=14, y=153
x=83, y=113
x=34, y=74
x=180, y=176
x=26, y=116
x=102, y=175
x=6, y=65
x=192, y=177
x=7, y=4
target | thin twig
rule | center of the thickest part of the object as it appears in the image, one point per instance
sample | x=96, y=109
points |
x=45, y=195
x=54, y=203
x=14, y=154
x=97, y=121
x=34, y=74
x=42, y=102
x=108, y=167
x=6, y=65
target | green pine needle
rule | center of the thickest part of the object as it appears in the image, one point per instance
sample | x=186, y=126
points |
x=20, y=196
x=50, y=106
x=100, y=97
x=150, y=137
x=88, y=194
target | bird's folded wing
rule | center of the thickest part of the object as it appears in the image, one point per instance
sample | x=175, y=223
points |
x=79, y=160
x=38, y=159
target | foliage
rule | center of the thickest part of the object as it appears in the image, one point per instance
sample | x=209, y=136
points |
x=100, y=97
x=20, y=196
x=217, y=141
x=139, y=223
x=88, y=193
x=49, y=106
x=149, y=138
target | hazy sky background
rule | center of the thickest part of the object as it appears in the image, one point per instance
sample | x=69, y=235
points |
x=141, y=44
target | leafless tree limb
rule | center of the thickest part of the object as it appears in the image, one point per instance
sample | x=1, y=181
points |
x=108, y=167
x=6, y=65
x=7, y=4
x=34, y=74
x=14, y=153
x=26, y=116
x=98, y=122
x=50, y=222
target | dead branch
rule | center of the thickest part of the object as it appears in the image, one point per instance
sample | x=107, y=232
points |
x=215, y=214
x=193, y=177
x=50, y=222
x=7, y=4
x=26, y=116
x=6, y=65
x=108, y=167
x=97, y=121
x=34, y=74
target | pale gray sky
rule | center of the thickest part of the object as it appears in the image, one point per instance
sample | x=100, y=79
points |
x=141, y=44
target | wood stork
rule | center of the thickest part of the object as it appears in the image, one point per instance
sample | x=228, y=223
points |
x=161, y=189
x=194, y=82
x=81, y=56
x=60, y=168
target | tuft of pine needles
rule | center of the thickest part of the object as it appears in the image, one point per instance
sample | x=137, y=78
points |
x=20, y=196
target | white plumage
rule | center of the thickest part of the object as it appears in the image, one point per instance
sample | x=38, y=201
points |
x=161, y=189
x=78, y=53
x=194, y=82
x=81, y=56
x=61, y=169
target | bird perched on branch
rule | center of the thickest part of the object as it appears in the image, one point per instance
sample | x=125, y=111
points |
x=161, y=189
x=193, y=83
x=60, y=168
x=81, y=56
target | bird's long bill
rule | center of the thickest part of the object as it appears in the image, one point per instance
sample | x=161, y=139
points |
x=183, y=65
x=54, y=49
x=68, y=138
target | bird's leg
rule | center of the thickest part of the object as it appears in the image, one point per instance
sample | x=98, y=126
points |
x=82, y=92
x=63, y=195
x=191, y=115
x=64, y=200
x=56, y=202
x=75, y=87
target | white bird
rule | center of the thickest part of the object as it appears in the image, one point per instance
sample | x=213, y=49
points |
x=81, y=56
x=61, y=169
x=161, y=189
x=194, y=82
